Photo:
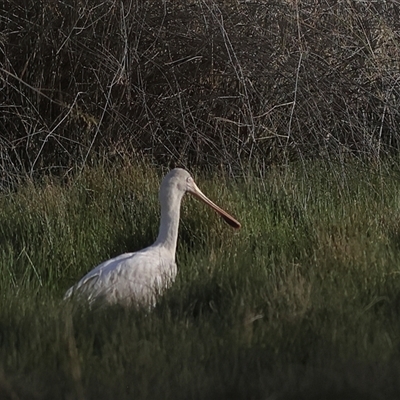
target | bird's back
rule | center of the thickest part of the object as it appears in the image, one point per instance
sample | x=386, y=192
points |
x=129, y=279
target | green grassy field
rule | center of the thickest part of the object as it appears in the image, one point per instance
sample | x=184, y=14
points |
x=301, y=303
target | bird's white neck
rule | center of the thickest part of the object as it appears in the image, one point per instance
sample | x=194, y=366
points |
x=169, y=225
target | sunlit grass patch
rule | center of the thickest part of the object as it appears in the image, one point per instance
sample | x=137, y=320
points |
x=303, y=298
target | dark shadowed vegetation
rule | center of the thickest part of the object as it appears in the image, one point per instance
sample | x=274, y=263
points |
x=199, y=82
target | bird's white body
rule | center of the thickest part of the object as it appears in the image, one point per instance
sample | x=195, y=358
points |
x=128, y=279
x=138, y=278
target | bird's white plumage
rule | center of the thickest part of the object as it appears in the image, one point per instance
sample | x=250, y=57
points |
x=131, y=278
x=137, y=278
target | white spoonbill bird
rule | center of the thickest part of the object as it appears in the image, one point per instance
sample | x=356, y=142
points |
x=137, y=278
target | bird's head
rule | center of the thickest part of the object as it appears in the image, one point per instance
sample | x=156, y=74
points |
x=178, y=181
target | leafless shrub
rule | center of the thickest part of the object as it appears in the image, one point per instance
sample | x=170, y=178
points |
x=200, y=82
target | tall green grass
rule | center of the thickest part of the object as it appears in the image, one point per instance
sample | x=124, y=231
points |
x=302, y=302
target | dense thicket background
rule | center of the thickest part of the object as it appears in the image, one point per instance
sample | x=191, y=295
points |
x=196, y=82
